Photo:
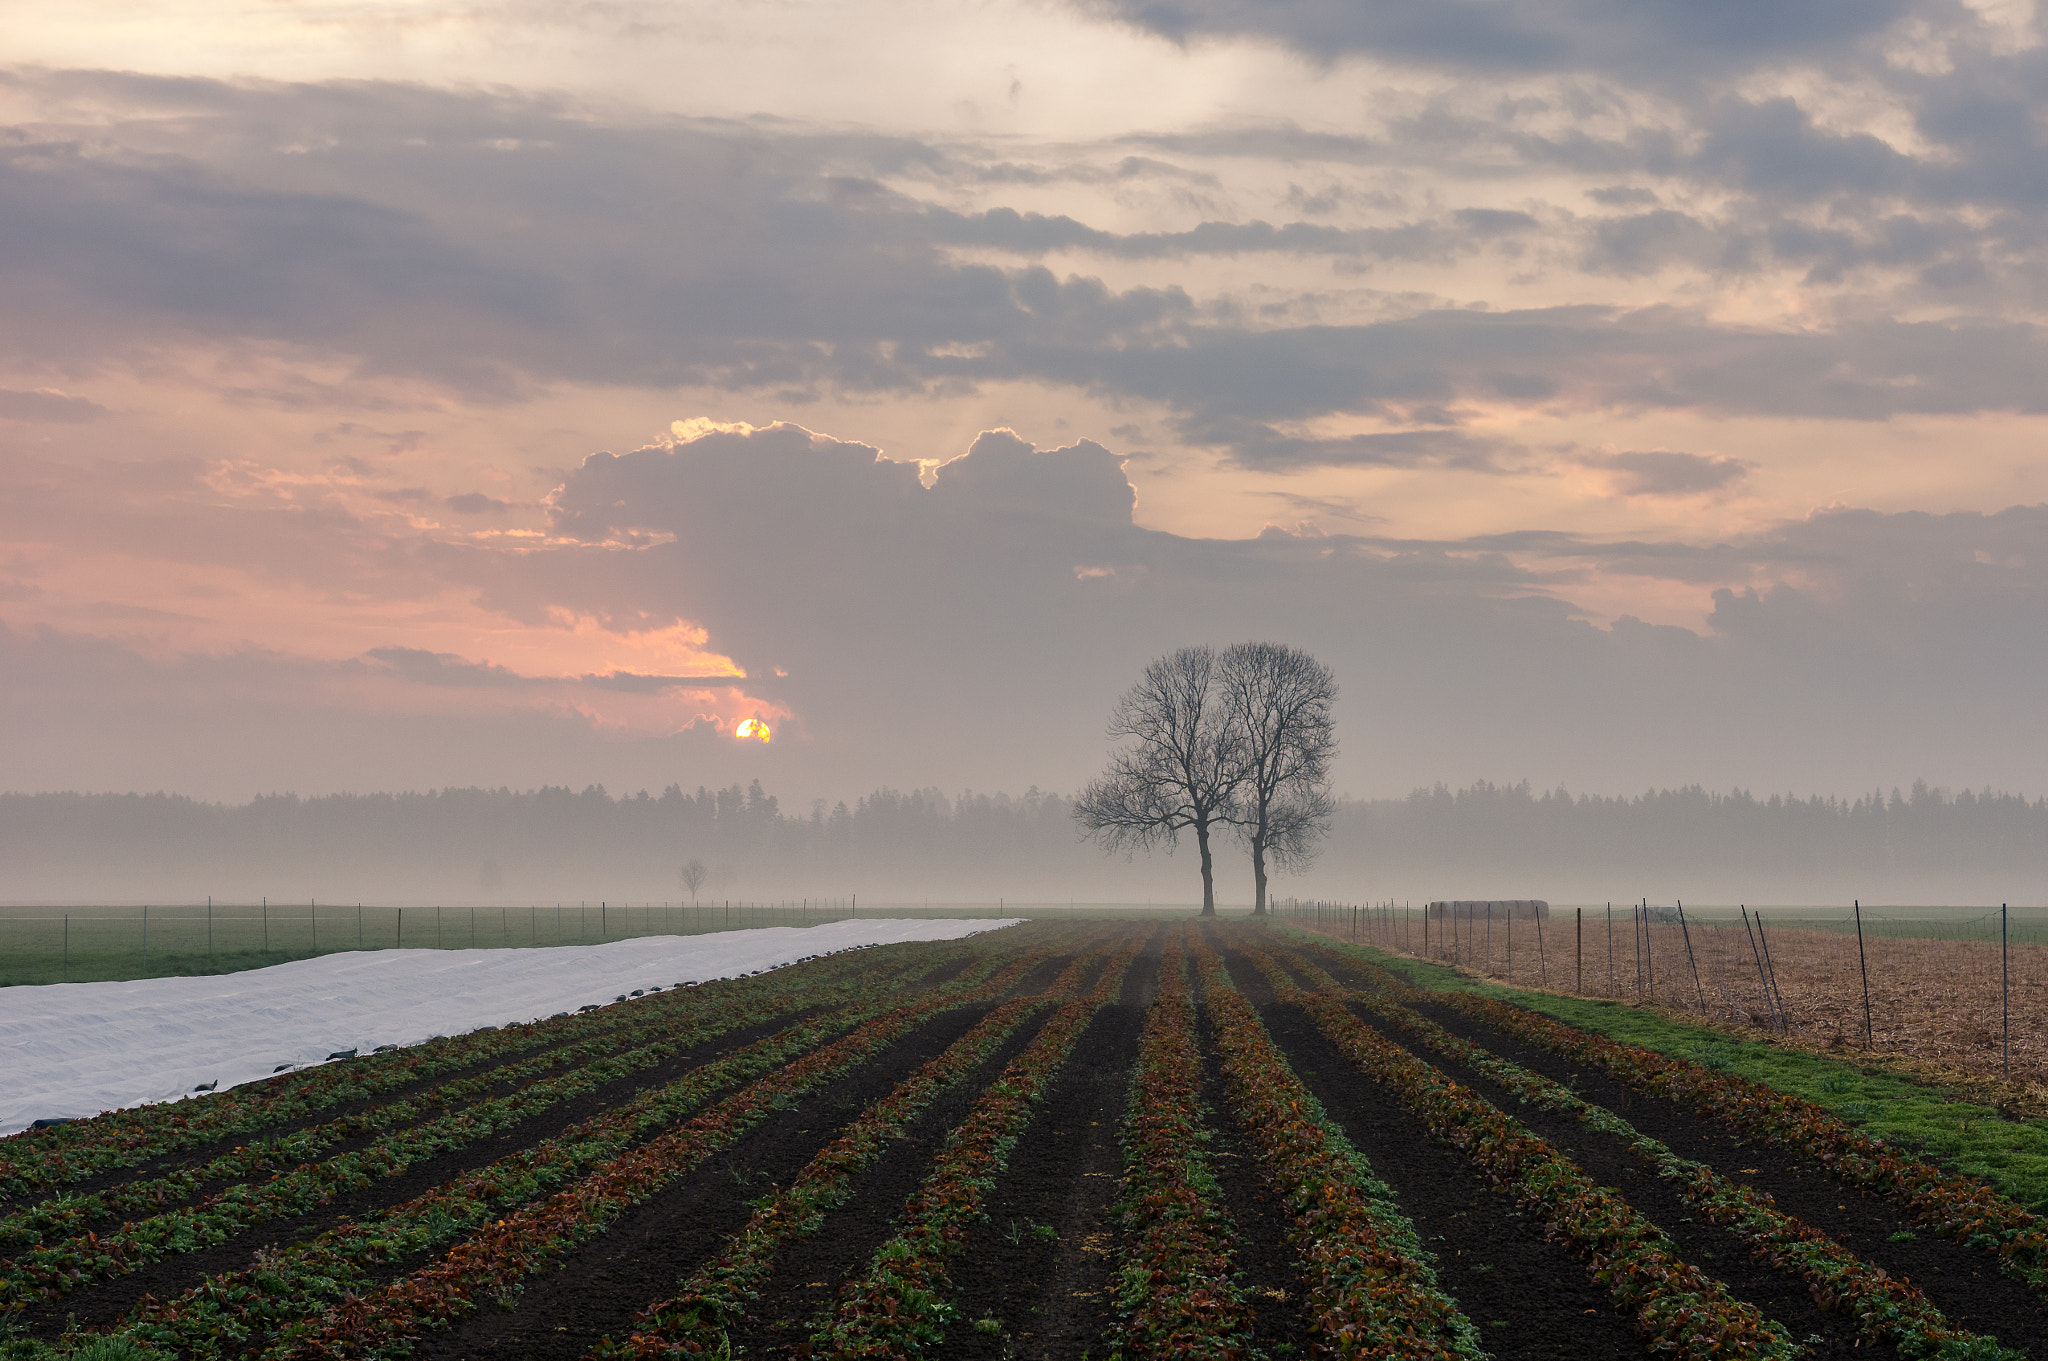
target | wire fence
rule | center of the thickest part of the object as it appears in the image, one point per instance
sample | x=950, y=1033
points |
x=1961, y=986
x=81, y=944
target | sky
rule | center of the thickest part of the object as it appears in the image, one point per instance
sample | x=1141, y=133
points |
x=400, y=394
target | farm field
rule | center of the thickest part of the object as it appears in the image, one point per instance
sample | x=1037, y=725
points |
x=1064, y=1139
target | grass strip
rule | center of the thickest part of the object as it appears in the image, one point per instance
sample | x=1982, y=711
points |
x=1678, y=1308
x=1372, y=1285
x=1885, y=1309
x=1957, y=1207
x=42, y=1160
x=500, y=1254
x=900, y=1307
x=1177, y=1284
x=694, y=1321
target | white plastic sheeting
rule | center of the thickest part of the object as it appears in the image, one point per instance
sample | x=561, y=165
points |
x=76, y=1049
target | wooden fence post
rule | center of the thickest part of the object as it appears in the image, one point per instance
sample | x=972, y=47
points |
x=2005, y=988
x=1579, y=931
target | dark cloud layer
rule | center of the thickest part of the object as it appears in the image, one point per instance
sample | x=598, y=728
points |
x=759, y=259
x=1664, y=36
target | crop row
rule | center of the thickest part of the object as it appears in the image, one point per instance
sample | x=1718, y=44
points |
x=1953, y=1206
x=900, y=1305
x=1884, y=1308
x=500, y=1254
x=229, y=1312
x=694, y=1321
x=43, y=1160
x=51, y=1270
x=1371, y=1286
x=1177, y=1286
x=591, y=1062
x=1678, y=1307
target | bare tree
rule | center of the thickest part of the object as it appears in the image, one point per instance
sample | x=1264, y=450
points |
x=1179, y=773
x=1281, y=703
x=693, y=876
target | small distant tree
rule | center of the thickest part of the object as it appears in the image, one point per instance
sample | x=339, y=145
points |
x=1180, y=771
x=693, y=876
x=1281, y=703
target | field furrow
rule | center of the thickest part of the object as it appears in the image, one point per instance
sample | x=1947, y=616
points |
x=1068, y=1141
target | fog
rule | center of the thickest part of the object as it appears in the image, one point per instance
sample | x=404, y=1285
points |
x=555, y=844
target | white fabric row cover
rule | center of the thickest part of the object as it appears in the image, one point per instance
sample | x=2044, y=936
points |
x=76, y=1049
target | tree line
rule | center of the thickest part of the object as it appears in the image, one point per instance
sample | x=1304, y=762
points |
x=1479, y=840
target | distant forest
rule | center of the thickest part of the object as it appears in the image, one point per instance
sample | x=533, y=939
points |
x=555, y=844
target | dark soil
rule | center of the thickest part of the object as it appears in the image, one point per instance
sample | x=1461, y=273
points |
x=108, y=1301
x=1528, y=1297
x=587, y=1028
x=1782, y=1298
x=602, y=1286
x=810, y=1271
x=1271, y=1268
x=1965, y=1283
x=1038, y=1269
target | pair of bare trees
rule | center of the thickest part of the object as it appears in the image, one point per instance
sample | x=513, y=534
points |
x=1240, y=740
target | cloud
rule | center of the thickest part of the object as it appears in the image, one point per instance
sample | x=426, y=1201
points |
x=1660, y=472
x=1667, y=36
x=441, y=668
x=1252, y=445
x=476, y=503
x=987, y=621
x=45, y=404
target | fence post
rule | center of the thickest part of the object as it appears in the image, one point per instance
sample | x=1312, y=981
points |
x=1771, y=967
x=1686, y=931
x=313, y=911
x=1762, y=982
x=1864, y=965
x=67, y=945
x=1610, y=949
x=401, y=928
x=145, y=935
x=2005, y=989
x=1579, y=929
x=1542, y=964
x=1649, y=955
x=359, y=926
x=266, y=923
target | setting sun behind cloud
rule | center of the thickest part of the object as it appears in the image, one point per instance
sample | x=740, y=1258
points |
x=753, y=728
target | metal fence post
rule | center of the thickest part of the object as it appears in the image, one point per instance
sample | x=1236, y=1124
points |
x=1864, y=965
x=1686, y=931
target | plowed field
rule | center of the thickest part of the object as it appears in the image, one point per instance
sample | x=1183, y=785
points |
x=1066, y=1141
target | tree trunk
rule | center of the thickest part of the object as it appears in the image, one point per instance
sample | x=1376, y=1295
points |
x=1258, y=876
x=1208, y=870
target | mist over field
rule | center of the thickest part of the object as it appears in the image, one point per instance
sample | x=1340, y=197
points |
x=479, y=846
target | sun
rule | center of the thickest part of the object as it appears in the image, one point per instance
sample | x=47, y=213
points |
x=753, y=728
